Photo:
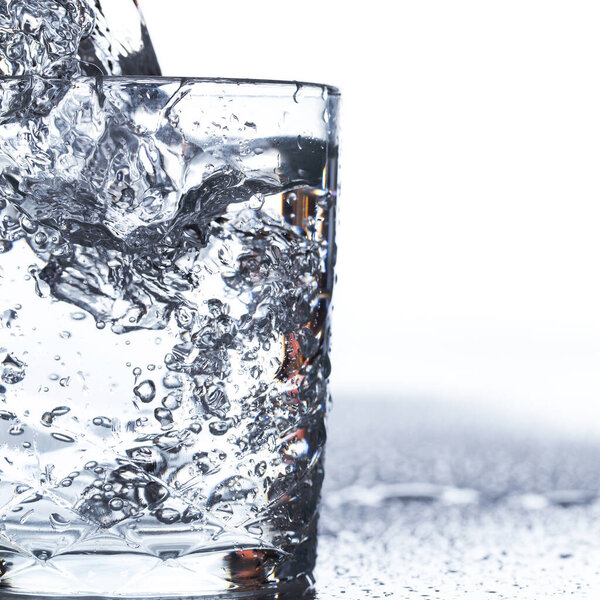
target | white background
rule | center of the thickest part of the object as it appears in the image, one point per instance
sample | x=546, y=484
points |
x=470, y=223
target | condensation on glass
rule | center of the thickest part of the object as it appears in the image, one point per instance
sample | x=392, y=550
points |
x=166, y=269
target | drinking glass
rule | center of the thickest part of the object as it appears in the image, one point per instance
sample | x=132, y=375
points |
x=166, y=268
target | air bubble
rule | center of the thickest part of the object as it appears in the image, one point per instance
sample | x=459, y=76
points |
x=116, y=504
x=195, y=427
x=28, y=225
x=184, y=317
x=168, y=515
x=42, y=555
x=41, y=239
x=254, y=529
x=172, y=380
x=173, y=400
x=218, y=428
x=145, y=391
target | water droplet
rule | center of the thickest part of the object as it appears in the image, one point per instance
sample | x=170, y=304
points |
x=48, y=417
x=62, y=437
x=65, y=335
x=12, y=370
x=26, y=516
x=78, y=316
x=297, y=93
x=7, y=318
x=59, y=522
x=102, y=422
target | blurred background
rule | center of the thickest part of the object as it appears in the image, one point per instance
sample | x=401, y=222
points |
x=468, y=243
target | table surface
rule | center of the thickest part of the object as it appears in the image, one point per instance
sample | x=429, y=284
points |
x=427, y=501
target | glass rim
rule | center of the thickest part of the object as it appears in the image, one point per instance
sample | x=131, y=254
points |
x=286, y=86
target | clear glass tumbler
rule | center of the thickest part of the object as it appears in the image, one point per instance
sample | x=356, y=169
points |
x=166, y=269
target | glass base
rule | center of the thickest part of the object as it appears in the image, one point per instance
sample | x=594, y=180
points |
x=240, y=574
